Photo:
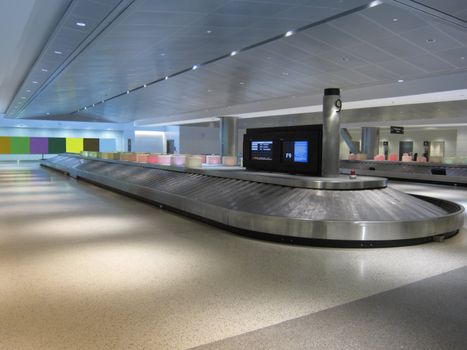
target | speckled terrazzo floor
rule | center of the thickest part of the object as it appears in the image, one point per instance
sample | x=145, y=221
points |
x=85, y=268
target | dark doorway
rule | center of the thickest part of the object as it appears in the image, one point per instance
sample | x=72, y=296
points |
x=171, y=146
x=405, y=147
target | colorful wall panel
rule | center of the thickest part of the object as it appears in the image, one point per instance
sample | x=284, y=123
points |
x=38, y=145
x=107, y=145
x=5, y=145
x=57, y=145
x=91, y=145
x=19, y=145
x=54, y=145
x=74, y=145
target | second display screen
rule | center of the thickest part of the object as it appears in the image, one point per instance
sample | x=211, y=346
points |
x=295, y=151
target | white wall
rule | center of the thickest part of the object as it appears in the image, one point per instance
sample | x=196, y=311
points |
x=461, y=148
x=199, y=140
x=149, y=141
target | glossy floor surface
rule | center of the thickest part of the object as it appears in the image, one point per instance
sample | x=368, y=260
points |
x=85, y=268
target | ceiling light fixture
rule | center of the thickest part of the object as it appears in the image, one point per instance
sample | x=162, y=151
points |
x=289, y=33
x=375, y=3
x=195, y=67
x=209, y=31
x=400, y=81
x=144, y=85
x=242, y=83
x=233, y=53
x=395, y=19
x=85, y=108
x=35, y=82
x=166, y=78
x=462, y=58
x=44, y=70
x=81, y=24
x=127, y=92
x=58, y=52
x=47, y=113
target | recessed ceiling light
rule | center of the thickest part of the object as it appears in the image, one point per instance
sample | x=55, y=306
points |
x=242, y=83
x=375, y=3
x=58, y=52
x=233, y=53
x=166, y=78
x=400, y=81
x=44, y=70
x=395, y=19
x=195, y=67
x=209, y=31
x=81, y=24
x=35, y=82
x=289, y=33
x=85, y=108
x=431, y=40
x=144, y=85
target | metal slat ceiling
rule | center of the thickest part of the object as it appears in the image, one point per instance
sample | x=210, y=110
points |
x=152, y=39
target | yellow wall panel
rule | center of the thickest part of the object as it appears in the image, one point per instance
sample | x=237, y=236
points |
x=74, y=145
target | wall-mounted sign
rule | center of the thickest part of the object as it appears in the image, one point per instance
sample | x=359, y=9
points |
x=397, y=130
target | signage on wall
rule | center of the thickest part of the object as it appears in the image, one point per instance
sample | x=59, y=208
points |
x=397, y=130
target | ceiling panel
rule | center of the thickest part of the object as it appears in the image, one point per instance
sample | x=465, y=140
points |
x=455, y=8
x=154, y=39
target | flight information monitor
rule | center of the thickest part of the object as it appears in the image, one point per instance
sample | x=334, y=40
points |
x=261, y=150
x=295, y=151
x=300, y=152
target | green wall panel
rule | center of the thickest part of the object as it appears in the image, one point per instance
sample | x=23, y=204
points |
x=57, y=145
x=19, y=145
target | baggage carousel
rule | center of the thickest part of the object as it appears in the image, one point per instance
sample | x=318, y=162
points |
x=279, y=207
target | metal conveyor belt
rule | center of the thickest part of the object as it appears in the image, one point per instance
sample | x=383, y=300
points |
x=364, y=217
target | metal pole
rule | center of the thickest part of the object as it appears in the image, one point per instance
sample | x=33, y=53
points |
x=331, y=125
x=228, y=132
x=370, y=141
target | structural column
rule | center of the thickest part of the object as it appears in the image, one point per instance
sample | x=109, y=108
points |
x=370, y=142
x=228, y=136
x=331, y=125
